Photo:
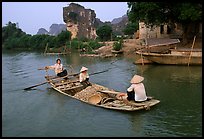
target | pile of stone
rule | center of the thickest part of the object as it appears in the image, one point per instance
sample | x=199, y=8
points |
x=86, y=93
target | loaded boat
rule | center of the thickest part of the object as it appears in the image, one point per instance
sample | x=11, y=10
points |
x=97, y=95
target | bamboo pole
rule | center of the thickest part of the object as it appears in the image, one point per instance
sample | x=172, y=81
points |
x=191, y=50
x=142, y=59
x=46, y=48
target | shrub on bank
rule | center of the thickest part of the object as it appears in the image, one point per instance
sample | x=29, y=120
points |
x=117, y=46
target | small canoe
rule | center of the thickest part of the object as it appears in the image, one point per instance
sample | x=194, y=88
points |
x=98, y=95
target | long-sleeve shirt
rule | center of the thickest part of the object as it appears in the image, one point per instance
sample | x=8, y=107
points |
x=83, y=76
x=57, y=67
x=139, y=89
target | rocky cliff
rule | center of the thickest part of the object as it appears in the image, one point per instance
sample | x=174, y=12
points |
x=80, y=22
x=119, y=24
x=54, y=29
x=119, y=19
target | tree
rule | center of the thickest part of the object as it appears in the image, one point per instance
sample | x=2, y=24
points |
x=10, y=31
x=156, y=13
x=11, y=36
x=104, y=32
x=131, y=28
x=63, y=37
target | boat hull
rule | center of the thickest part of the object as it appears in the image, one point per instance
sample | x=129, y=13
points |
x=173, y=59
x=108, y=101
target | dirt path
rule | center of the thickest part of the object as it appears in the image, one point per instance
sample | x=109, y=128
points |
x=131, y=45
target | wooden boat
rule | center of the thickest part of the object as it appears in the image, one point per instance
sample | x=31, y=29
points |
x=97, y=95
x=175, y=57
x=117, y=52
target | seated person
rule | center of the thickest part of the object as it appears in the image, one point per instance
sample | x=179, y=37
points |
x=84, y=76
x=58, y=67
x=136, y=91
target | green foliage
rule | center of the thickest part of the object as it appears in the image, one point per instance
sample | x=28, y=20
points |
x=39, y=42
x=157, y=13
x=190, y=12
x=89, y=45
x=75, y=44
x=117, y=46
x=104, y=32
x=131, y=28
x=94, y=44
x=164, y=12
x=83, y=39
x=13, y=37
x=63, y=37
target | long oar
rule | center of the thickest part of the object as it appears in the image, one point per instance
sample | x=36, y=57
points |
x=28, y=88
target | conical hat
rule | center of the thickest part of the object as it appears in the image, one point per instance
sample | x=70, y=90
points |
x=83, y=69
x=137, y=79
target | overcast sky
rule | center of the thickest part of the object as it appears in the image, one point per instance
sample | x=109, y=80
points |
x=31, y=16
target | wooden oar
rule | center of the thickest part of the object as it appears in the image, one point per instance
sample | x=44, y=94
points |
x=41, y=68
x=98, y=72
x=62, y=77
x=109, y=92
x=28, y=88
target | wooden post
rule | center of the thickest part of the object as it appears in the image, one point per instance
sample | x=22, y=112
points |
x=45, y=49
x=191, y=50
x=142, y=59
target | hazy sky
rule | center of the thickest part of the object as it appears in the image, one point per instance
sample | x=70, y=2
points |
x=31, y=16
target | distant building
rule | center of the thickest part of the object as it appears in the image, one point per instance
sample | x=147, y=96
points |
x=161, y=31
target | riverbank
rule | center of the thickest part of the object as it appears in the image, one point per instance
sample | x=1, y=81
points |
x=131, y=45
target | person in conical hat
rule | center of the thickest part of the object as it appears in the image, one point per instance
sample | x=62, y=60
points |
x=83, y=69
x=84, y=76
x=136, y=91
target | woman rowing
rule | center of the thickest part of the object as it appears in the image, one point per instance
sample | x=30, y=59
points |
x=58, y=67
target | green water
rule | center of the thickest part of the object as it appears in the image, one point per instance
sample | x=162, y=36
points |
x=43, y=112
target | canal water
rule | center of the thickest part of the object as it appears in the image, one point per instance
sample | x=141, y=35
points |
x=43, y=112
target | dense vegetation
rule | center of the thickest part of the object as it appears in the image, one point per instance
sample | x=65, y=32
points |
x=188, y=14
x=131, y=28
x=104, y=32
x=14, y=38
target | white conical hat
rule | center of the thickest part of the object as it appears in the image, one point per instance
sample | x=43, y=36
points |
x=83, y=69
x=137, y=79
